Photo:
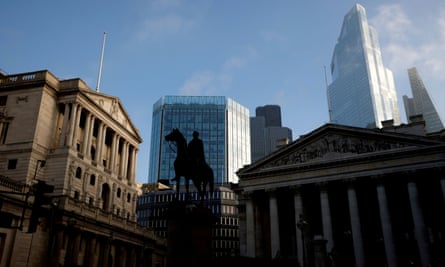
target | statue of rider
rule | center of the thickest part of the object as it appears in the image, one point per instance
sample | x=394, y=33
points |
x=196, y=152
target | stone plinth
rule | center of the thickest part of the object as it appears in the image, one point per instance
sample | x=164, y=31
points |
x=189, y=240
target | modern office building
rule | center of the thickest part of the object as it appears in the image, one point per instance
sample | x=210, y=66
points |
x=222, y=124
x=362, y=92
x=266, y=132
x=271, y=113
x=69, y=152
x=421, y=103
x=348, y=196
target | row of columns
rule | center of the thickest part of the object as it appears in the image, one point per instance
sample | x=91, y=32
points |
x=80, y=248
x=357, y=240
x=124, y=166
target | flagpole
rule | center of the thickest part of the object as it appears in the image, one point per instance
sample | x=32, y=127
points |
x=100, y=65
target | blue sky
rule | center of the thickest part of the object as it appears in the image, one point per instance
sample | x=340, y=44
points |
x=256, y=52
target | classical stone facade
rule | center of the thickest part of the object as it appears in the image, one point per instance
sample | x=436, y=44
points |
x=348, y=196
x=83, y=143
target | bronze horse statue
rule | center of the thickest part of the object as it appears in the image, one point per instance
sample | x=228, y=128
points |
x=200, y=174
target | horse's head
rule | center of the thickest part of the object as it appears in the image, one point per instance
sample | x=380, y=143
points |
x=174, y=136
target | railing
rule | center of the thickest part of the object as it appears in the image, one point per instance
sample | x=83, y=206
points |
x=28, y=77
x=9, y=185
x=24, y=77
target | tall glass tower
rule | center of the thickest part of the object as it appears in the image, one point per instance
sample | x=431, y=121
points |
x=421, y=103
x=362, y=92
x=222, y=124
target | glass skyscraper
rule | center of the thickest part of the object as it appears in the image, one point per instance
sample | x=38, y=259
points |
x=222, y=124
x=421, y=103
x=362, y=92
x=266, y=132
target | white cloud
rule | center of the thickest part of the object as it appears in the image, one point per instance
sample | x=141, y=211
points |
x=201, y=83
x=414, y=40
x=213, y=82
x=272, y=36
x=165, y=4
x=407, y=43
x=155, y=28
x=393, y=20
x=233, y=63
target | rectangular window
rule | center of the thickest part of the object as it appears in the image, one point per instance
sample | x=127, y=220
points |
x=12, y=164
x=3, y=100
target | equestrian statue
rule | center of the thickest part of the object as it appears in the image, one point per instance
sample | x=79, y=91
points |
x=190, y=163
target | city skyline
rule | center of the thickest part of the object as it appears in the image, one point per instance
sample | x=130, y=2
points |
x=256, y=53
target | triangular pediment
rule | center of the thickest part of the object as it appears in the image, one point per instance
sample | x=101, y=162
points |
x=334, y=142
x=112, y=106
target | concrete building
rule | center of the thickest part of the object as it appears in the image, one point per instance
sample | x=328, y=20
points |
x=83, y=145
x=349, y=196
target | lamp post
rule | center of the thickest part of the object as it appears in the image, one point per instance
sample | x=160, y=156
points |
x=302, y=225
x=39, y=164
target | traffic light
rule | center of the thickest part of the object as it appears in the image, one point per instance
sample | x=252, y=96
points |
x=39, y=189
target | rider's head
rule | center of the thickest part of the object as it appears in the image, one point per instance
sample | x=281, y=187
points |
x=195, y=134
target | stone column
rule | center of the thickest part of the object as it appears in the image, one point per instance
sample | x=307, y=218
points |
x=274, y=224
x=72, y=130
x=86, y=135
x=64, y=133
x=356, y=228
x=326, y=218
x=125, y=165
x=122, y=165
x=100, y=143
x=131, y=175
x=250, y=225
x=114, y=147
x=385, y=221
x=298, y=210
x=419, y=224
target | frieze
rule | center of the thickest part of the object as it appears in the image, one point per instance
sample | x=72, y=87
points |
x=332, y=145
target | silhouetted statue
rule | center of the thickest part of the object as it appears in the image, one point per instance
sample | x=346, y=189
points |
x=190, y=163
x=196, y=152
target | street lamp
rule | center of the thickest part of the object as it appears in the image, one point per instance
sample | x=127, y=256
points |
x=39, y=164
x=302, y=225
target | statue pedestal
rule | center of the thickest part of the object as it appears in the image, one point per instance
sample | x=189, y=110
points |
x=189, y=240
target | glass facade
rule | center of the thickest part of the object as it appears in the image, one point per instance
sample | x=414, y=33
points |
x=362, y=92
x=421, y=103
x=223, y=126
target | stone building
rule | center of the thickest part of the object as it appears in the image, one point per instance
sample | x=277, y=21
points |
x=83, y=145
x=350, y=197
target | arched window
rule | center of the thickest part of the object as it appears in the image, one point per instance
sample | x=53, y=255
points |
x=92, y=179
x=79, y=172
x=105, y=197
x=118, y=193
x=128, y=197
